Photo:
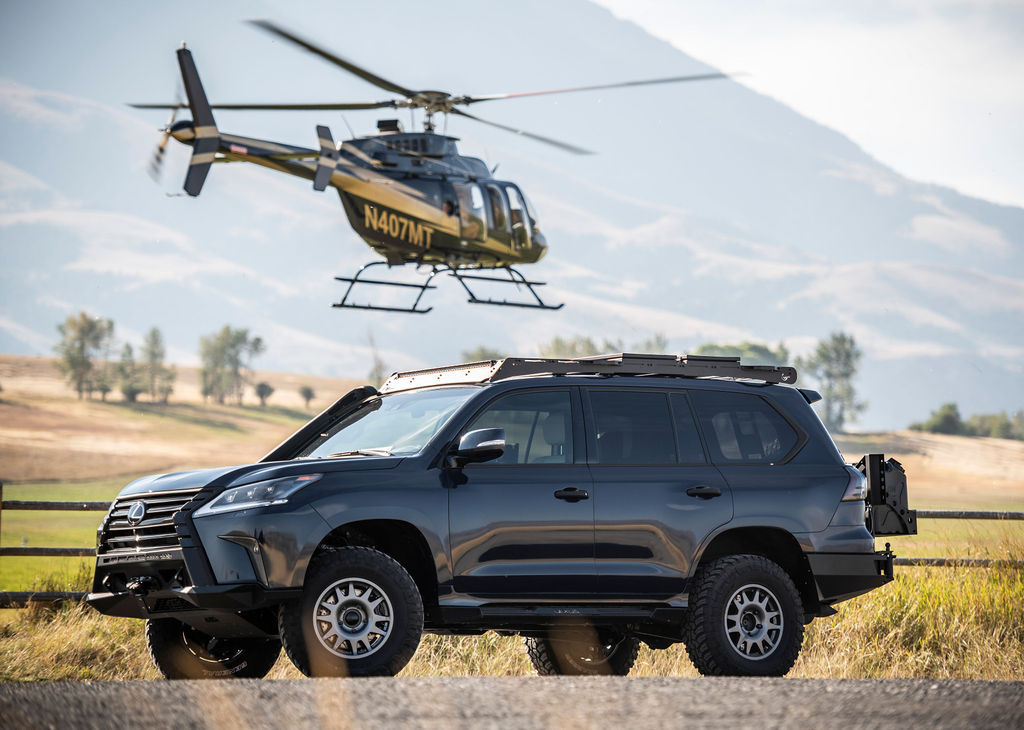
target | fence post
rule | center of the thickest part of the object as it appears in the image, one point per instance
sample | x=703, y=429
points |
x=1, y=512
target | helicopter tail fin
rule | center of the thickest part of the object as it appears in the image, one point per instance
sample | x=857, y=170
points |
x=328, y=159
x=207, y=138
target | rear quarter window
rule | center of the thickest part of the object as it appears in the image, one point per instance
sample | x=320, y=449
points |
x=743, y=428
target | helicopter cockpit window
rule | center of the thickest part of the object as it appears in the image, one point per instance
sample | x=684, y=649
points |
x=499, y=208
x=530, y=210
x=471, y=211
x=519, y=215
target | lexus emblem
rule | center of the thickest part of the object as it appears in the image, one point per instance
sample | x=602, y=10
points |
x=136, y=512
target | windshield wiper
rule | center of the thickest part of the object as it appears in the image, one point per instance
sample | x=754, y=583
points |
x=360, y=452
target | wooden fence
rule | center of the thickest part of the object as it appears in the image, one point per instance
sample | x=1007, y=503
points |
x=19, y=599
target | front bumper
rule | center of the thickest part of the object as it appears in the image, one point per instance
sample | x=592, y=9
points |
x=156, y=584
x=841, y=576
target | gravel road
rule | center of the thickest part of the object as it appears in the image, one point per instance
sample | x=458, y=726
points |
x=482, y=702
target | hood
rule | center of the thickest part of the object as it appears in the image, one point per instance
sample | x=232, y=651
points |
x=234, y=476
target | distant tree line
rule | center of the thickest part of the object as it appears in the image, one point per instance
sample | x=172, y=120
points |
x=947, y=419
x=831, y=367
x=84, y=358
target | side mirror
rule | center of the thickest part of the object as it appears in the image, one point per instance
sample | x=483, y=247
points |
x=483, y=444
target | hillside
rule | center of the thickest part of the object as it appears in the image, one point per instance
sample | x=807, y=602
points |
x=46, y=434
x=710, y=213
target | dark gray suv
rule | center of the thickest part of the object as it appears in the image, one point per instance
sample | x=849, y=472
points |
x=586, y=504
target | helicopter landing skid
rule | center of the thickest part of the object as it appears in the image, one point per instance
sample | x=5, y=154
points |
x=414, y=309
x=515, y=277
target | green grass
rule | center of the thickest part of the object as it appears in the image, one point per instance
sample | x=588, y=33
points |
x=51, y=528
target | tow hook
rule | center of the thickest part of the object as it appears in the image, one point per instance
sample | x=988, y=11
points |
x=141, y=586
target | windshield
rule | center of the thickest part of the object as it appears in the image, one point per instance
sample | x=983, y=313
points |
x=400, y=424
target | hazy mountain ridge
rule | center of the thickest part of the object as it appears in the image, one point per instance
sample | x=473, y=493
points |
x=710, y=213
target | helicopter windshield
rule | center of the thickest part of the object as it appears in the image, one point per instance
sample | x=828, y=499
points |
x=518, y=214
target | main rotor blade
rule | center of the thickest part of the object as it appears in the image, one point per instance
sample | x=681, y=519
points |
x=299, y=107
x=546, y=140
x=670, y=80
x=336, y=60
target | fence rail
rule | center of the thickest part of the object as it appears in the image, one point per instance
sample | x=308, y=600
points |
x=20, y=599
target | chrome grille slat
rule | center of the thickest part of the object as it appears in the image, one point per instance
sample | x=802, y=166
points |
x=156, y=530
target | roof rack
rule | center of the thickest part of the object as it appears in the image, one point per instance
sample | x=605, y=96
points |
x=622, y=363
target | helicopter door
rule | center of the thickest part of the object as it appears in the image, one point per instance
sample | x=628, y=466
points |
x=472, y=216
x=498, y=209
x=519, y=218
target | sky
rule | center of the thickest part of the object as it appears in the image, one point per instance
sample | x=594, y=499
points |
x=932, y=88
x=711, y=213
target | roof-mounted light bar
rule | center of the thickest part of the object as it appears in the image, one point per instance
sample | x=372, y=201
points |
x=680, y=366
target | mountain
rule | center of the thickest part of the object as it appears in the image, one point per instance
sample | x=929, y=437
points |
x=711, y=213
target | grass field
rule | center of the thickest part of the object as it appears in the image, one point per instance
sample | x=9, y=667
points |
x=940, y=622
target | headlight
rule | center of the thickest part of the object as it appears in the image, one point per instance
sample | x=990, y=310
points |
x=257, y=494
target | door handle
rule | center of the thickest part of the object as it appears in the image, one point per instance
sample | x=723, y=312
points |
x=704, y=491
x=572, y=494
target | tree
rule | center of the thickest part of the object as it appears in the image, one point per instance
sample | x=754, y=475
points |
x=226, y=356
x=577, y=347
x=379, y=372
x=165, y=383
x=131, y=376
x=946, y=419
x=833, y=365
x=153, y=353
x=264, y=391
x=105, y=371
x=83, y=338
x=307, y=394
x=656, y=344
x=480, y=353
x=751, y=353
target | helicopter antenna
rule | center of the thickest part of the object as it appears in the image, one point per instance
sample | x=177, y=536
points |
x=350, y=130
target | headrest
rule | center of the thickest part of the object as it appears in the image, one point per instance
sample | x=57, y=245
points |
x=554, y=428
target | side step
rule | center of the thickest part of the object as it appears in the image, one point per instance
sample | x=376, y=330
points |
x=507, y=615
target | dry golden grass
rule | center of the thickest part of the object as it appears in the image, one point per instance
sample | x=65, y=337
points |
x=965, y=623
x=46, y=433
x=933, y=623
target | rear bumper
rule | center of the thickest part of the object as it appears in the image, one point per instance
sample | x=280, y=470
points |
x=841, y=576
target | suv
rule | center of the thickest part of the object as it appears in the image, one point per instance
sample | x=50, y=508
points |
x=586, y=504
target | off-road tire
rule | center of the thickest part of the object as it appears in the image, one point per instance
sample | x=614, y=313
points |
x=561, y=657
x=711, y=649
x=347, y=569
x=182, y=652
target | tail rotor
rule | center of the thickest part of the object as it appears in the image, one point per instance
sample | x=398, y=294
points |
x=156, y=164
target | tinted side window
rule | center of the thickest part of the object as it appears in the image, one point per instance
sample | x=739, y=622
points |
x=743, y=428
x=632, y=428
x=687, y=438
x=538, y=427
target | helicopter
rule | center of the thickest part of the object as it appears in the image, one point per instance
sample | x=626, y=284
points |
x=409, y=195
